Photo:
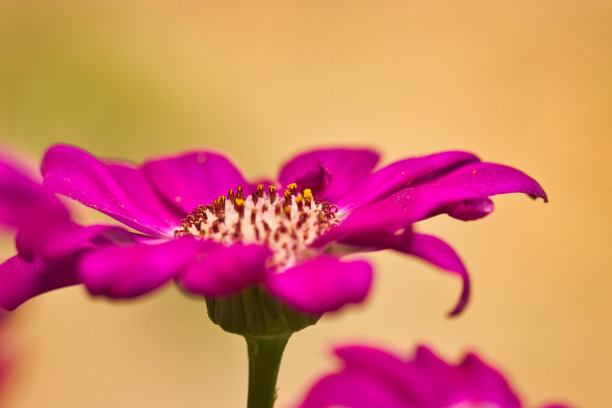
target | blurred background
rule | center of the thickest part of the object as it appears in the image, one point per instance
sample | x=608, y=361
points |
x=526, y=83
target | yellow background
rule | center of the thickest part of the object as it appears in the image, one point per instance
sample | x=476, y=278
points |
x=522, y=82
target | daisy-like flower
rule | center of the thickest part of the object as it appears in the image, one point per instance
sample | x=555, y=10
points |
x=267, y=257
x=284, y=235
x=373, y=377
x=204, y=225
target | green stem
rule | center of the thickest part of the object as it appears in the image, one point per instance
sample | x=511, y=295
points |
x=265, y=356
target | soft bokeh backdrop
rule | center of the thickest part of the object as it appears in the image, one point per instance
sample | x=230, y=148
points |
x=522, y=82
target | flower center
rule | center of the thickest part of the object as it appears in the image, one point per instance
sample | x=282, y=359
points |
x=286, y=223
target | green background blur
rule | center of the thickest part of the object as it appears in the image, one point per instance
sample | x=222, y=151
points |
x=524, y=82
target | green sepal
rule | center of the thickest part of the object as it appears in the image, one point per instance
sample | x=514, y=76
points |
x=254, y=313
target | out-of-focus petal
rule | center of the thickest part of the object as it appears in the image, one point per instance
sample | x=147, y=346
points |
x=224, y=270
x=400, y=174
x=485, y=384
x=556, y=406
x=118, y=190
x=49, y=257
x=426, y=247
x=322, y=284
x=193, y=179
x=434, y=393
x=329, y=173
x=353, y=390
x=374, y=376
x=82, y=238
x=55, y=240
x=133, y=270
x=23, y=200
x=21, y=280
x=422, y=381
x=33, y=237
x=406, y=382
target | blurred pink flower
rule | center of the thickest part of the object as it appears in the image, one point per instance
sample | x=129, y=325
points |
x=372, y=377
x=214, y=241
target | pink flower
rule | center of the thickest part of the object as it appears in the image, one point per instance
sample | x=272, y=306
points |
x=202, y=224
x=372, y=377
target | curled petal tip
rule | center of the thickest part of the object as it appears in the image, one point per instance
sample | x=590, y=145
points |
x=538, y=192
x=541, y=195
x=442, y=255
x=464, y=297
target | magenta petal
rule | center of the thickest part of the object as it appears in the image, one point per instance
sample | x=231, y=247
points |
x=78, y=239
x=53, y=241
x=322, y=284
x=371, y=359
x=400, y=174
x=446, y=385
x=404, y=381
x=462, y=193
x=329, y=173
x=469, y=209
x=120, y=191
x=21, y=280
x=490, y=179
x=33, y=237
x=415, y=204
x=556, y=406
x=224, y=270
x=375, y=376
x=131, y=271
x=423, y=381
x=352, y=390
x=402, y=209
x=193, y=179
x=369, y=219
x=442, y=255
x=485, y=384
x=426, y=247
x=24, y=201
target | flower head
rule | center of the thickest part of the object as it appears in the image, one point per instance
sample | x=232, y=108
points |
x=202, y=224
x=372, y=377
